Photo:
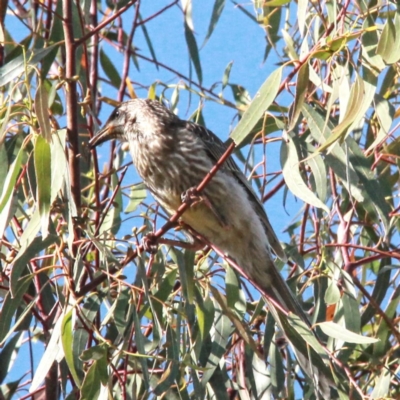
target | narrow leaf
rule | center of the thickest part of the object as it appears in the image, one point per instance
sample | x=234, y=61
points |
x=262, y=100
x=29, y=250
x=149, y=43
x=337, y=331
x=91, y=384
x=319, y=173
x=291, y=172
x=11, y=178
x=59, y=162
x=42, y=112
x=49, y=356
x=193, y=51
x=220, y=333
x=336, y=159
x=17, y=66
x=225, y=77
x=42, y=155
x=301, y=91
x=216, y=13
x=8, y=353
x=371, y=185
x=354, y=106
x=109, y=69
x=301, y=15
x=10, y=305
x=67, y=343
x=388, y=46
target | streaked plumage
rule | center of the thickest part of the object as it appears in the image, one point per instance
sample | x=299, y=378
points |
x=172, y=156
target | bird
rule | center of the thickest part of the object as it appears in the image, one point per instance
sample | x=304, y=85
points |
x=172, y=156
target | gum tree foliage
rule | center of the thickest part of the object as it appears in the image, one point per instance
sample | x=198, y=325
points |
x=86, y=313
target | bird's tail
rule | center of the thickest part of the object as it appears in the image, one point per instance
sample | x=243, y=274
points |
x=293, y=321
x=278, y=292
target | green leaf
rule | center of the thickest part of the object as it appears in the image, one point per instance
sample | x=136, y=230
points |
x=91, y=384
x=67, y=339
x=293, y=179
x=216, y=13
x=244, y=11
x=336, y=159
x=385, y=113
x=257, y=375
x=109, y=69
x=9, y=183
x=165, y=290
x=290, y=48
x=382, y=384
x=374, y=189
x=42, y=155
x=379, y=292
x=301, y=15
x=148, y=41
x=337, y=331
x=353, y=111
x=8, y=354
x=225, y=77
x=42, y=111
x=112, y=220
x=7, y=213
x=140, y=343
x=193, y=51
x=88, y=313
x=332, y=294
x=205, y=316
x=369, y=41
x=277, y=374
x=56, y=36
x=59, y=162
x=11, y=302
x=170, y=373
x=49, y=356
x=301, y=92
x=17, y=66
x=220, y=336
x=319, y=174
x=234, y=295
x=119, y=312
x=262, y=100
x=27, y=251
x=351, y=311
x=381, y=348
x=276, y=3
x=389, y=46
x=240, y=94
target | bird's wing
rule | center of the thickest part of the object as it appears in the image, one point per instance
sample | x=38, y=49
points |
x=215, y=149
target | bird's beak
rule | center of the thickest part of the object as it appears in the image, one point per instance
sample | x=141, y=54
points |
x=107, y=133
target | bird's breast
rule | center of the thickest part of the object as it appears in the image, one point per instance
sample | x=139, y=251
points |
x=198, y=215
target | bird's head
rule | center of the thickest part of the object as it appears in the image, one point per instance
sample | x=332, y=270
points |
x=137, y=120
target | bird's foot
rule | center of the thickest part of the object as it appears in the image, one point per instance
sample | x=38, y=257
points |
x=191, y=197
x=150, y=243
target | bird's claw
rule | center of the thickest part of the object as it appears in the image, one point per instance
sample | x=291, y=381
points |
x=191, y=197
x=150, y=243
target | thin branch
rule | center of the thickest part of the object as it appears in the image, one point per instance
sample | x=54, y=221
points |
x=71, y=105
x=103, y=24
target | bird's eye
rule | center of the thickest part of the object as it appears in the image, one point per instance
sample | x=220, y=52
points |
x=115, y=114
